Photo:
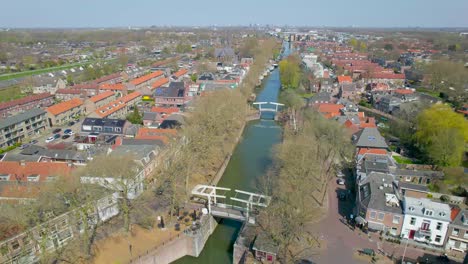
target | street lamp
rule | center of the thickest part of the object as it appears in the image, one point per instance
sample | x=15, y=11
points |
x=404, y=251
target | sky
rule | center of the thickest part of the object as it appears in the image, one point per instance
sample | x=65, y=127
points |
x=138, y=13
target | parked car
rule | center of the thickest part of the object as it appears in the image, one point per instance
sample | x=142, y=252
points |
x=71, y=123
x=340, y=174
x=57, y=130
x=342, y=196
x=56, y=136
x=340, y=181
x=24, y=146
x=67, y=131
x=65, y=136
x=33, y=141
x=50, y=139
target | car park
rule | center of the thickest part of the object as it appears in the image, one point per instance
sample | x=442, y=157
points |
x=50, y=139
x=57, y=130
x=33, y=141
x=340, y=181
x=24, y=146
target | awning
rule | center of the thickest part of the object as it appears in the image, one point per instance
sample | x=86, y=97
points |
x=360, y=220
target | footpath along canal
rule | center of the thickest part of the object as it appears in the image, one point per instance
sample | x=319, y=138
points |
x=250, y=160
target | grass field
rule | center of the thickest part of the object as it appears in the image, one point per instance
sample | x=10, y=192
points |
x=403, y=160
x=11, y=93
x=15, y=75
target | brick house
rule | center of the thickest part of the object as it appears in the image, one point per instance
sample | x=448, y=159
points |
x=173, y=96
x=61, y=113
x=29, y=102
x=68, y=94
x=146, y=80
x=118, y=108
x=457, y=235
x=378, y=204
x=99, y=100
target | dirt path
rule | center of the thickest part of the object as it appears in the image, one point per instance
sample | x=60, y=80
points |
x=116, y=249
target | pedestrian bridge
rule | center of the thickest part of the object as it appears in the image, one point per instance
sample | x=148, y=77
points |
x=240, y=206
x=268, y=109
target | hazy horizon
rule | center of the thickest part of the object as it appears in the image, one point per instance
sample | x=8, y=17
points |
x=203, y=13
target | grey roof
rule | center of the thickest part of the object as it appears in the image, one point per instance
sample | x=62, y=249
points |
x=224, y=52
x=370, y=137
x=21, y=117
x=175, y=89
x=373, y=192
x=132, y=141
x=91, y=121
x=349, y=87
x=150, y=116
x=19, y=157
x=461, y=219
x=418, y=207
x=63, y=154
x=321, y=97
x=138, y=151
x=425, y=173
x=412, y=186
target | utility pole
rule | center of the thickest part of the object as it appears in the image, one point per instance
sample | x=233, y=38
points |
x=404, y=251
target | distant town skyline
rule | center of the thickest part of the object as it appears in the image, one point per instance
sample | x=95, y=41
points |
x=144, y=13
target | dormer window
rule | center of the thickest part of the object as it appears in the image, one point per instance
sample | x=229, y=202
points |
x=4, y=177
x=411, y=208
x=442, y=214
x=428, y=212
x=33, y=178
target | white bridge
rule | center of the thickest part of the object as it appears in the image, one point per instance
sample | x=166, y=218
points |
x=218, y=205
x=260, y=104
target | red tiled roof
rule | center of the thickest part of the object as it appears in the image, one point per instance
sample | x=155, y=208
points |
x=155, y=134
x=329, y=110
x=363, y=151
x=113, y=87
x=20, y=173
x=146, y=77
x=64, y=106
x=380, y=75
x=159, y=83
x=370, y=122
x=68, y=91
x=116, y=105
x=25, y=100
x=454, y=212
x=180, y=73
x=101, y=96
x=107, y=78
x=166, y=110
x=404, y=91
x=166, y=61
x=345, y=79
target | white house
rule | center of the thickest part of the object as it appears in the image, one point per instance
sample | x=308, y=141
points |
x=425, y=220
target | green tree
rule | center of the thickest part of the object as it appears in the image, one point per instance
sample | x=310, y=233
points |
x=70, y=80
x=388, y=47
x=194, y=77
x=135, y=117
x=442, y=135
x=290, y=72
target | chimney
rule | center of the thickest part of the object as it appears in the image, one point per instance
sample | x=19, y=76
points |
x=23, y=163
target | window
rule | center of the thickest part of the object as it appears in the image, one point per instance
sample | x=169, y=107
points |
x=439, y=226
x=33, y=178
x=437, y=239
x=396, y=219
x=373, y=215
x=425, y=225
x=411, y=208
x=466, y=234
x=408, y=178
x=428, y=212
x=413, y=221
x=4, y=177
x=455, y=231
x=118, y=129
x=381, y=216
x=462, y=245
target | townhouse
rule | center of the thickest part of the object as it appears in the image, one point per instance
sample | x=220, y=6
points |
x=425, y=220
x=118, y=108
x=146, y=80
x=99, y=100
x=104, y=126
x=176, y=76
x=378, y=204
x=457, y=235
x=16, y=128
x=29, y=102
x=173, y=96
x=68, y=94
x=63, y=112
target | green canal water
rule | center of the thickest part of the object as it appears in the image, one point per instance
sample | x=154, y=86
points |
x=250, y=160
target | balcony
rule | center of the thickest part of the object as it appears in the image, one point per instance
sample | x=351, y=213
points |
x=424, y=231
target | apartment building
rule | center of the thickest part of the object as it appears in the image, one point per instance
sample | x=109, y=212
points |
x=16, y=128
x=14, y=107
x=64, y=112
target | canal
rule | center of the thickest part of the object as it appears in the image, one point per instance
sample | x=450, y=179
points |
x=250, y=160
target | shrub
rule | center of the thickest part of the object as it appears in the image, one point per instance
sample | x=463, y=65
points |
x=444, y=198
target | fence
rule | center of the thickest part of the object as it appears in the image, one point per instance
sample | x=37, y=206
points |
x=154, y=249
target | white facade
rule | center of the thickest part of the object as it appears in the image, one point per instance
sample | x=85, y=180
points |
x=425, y=221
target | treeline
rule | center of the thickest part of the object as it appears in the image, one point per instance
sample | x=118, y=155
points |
x=303, y=165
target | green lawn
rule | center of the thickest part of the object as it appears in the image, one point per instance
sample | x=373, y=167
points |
x=306, y=95
x=11, y=93
x=15, y=75
x=429, y=92
x=403, y=160
x=455, y=176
